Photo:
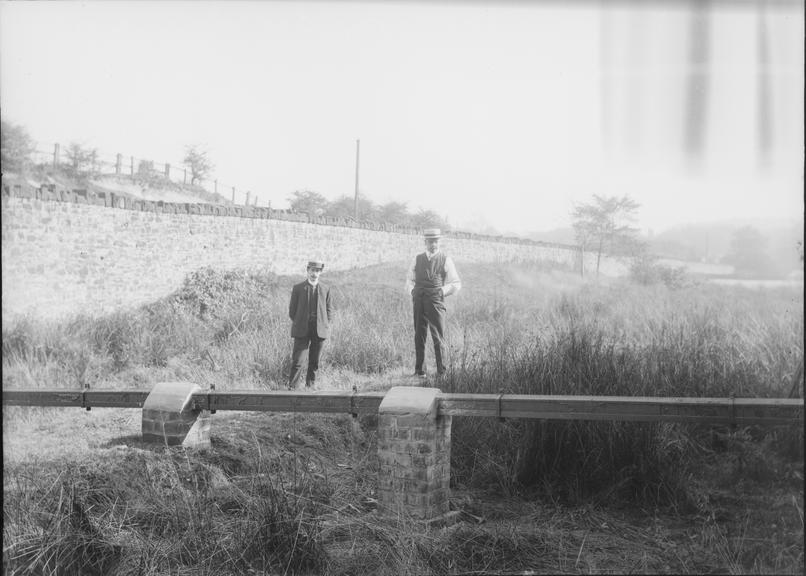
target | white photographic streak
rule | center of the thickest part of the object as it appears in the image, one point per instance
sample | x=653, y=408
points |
x=704, y=101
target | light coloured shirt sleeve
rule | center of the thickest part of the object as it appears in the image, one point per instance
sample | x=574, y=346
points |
x=452, y=283
x=410, y=276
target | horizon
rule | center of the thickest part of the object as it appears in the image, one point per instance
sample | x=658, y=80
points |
x=500, y=133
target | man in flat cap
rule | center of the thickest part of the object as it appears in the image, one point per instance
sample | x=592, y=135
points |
x=430, y=278
x=310, y=311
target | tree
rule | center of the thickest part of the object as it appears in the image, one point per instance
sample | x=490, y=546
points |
x=427, y=219
x=748, y=253
x=198, y=161
x=345, y=207
x=393, y=213
x=82, y=162
x=603, y=225
x=312, y=203
x=16, y=147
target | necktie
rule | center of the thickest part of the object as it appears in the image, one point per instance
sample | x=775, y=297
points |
x=311, y=300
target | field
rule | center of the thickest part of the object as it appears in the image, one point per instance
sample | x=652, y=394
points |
x=285, y=494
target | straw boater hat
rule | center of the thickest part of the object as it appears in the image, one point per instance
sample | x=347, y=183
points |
x=432, y=233
x=318, y=265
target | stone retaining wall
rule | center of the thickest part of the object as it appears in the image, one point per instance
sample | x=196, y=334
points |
x=66, y=252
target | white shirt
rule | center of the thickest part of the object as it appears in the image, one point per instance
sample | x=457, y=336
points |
x=451, y=284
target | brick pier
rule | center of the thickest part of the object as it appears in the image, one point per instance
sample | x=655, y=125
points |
x=414, y=454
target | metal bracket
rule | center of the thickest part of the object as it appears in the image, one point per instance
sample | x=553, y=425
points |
x=84, y=400
x=500, y=418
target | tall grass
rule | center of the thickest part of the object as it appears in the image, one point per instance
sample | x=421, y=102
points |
x=253, y=504
x=512, y=329
x=146, y=513
x=612, y=339
x=521, y=330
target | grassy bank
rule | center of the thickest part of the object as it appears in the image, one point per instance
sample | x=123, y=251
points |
x=516, y=330
x=521, y=330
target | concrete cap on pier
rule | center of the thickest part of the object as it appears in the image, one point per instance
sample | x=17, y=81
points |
x=410, y=400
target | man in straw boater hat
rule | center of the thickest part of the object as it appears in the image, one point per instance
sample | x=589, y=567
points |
x=430, y=278
x=310, y=311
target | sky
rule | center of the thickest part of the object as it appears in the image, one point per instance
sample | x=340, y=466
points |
x=499, y=116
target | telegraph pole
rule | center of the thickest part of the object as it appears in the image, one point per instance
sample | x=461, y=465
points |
x=355, y=201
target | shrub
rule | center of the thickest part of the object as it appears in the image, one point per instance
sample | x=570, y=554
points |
x=282, y=523
x=206, y=292
x=646, y=270
x=20, y=340
x=118, y=335
x=48, y=530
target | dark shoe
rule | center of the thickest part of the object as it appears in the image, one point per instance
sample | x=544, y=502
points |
x=419, y=375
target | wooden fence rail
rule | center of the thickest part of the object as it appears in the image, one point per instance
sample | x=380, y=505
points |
x=740, y=411
x=414, y=423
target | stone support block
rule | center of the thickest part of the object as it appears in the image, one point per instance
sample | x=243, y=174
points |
x=414, y=453
x=170, y=418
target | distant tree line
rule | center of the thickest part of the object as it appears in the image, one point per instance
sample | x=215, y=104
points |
x=363, y=209
x=749, y=254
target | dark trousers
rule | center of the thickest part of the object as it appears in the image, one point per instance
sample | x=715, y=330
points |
x=429, y=314
x=313, y=344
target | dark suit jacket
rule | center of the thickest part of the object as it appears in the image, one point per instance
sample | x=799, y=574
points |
x=298, y=310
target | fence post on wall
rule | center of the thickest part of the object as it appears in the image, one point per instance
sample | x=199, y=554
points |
x=255, y=199
x=167, y=170
x=131, y=167
x=247, y=199
x=118, y=164
x=55, y=155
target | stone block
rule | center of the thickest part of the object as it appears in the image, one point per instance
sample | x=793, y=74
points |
x=414, y=421
x=199, y=433
x=394, y=459
x=169, y=416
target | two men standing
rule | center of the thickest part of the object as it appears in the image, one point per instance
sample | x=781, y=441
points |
x=430, y=278
x=310, y=311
